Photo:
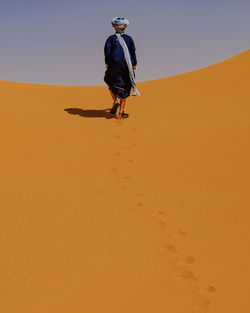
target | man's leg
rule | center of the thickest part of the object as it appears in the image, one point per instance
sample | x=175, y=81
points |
x=113, y=96
x=121, y=107
x=116, y=103
x=122, y=104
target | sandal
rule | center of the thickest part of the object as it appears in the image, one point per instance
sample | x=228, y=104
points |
x=115, y=107
x=124, y=115
x=121, y=115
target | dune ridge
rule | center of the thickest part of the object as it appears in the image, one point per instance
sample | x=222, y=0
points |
x=147, y=214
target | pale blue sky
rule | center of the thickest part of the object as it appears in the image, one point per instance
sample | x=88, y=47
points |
x=61, y=42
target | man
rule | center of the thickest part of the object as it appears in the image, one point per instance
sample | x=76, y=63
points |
x=118, y=72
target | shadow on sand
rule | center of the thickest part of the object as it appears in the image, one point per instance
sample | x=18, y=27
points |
x=90, y=113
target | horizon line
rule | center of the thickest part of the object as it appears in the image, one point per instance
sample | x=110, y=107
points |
x=138, y=82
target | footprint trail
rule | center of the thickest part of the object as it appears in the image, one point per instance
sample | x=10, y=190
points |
x=181, y=265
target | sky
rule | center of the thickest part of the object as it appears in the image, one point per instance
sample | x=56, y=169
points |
x=61, y=42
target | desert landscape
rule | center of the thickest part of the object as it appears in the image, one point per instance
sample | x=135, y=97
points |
x=149, y=214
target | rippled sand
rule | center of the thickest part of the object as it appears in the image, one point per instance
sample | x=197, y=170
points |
x=149, y=214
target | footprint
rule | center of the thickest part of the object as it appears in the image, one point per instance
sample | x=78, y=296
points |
x=209, y=290
x=159, y=224
x=201, y=305
x=127, y=146
x=136, y=197
x=138, y=194
x=180, y=264
x=132, y=208
x=159, y=213
x=126, y=177
x=114, y=170
x=141, y=204
x=203, y=299
x=189, y=259
x=167, y=248
x=117, y=153
x=133, y=129
x=126, y=162
x=186, y=275
x=178, y=234
x=117, y=137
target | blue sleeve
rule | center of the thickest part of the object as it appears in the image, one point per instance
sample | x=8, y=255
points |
x=107, y=51
x=132, y=51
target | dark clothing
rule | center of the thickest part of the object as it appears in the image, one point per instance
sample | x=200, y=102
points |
x=117, y=73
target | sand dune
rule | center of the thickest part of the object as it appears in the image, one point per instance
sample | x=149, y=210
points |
x=149, y=214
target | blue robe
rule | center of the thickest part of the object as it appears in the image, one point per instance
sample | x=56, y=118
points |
x=117, y=74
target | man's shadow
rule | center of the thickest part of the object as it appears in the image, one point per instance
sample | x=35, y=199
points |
x=90, y=113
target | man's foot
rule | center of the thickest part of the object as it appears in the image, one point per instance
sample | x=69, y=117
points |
x=115, y=107
x=121, y=115
x=124, y=115
x=118, y=114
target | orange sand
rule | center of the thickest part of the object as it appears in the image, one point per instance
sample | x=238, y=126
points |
x=144, y=215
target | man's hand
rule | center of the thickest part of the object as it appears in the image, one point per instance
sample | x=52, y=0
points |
x=106, y=65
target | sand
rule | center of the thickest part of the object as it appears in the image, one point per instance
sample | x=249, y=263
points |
x=149, y=214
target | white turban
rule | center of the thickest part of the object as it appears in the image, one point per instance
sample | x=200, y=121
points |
x=119, y=22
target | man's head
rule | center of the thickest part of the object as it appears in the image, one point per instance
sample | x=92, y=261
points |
x=119, y=23
x=120, y=28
